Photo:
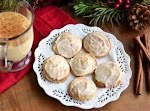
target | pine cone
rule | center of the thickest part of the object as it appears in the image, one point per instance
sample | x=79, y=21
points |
x=139, y=16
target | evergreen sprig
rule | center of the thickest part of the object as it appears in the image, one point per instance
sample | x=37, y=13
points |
x=12, y=5
x=100, y=13
x=82, y=7
x=147, y=1
x=105, y=14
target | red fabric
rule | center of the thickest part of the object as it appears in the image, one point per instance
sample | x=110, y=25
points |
x=46, y=19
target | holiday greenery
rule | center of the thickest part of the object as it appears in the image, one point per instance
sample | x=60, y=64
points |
x=135, y=12
x=9, y=5
x=14, y=4
x=115, y=11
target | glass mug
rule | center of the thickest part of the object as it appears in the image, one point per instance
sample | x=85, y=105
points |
x=16, y=38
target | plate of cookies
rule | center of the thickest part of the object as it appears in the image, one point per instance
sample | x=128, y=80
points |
x=82, y=66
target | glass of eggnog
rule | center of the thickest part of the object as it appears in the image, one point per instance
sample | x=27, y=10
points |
x=16, y=37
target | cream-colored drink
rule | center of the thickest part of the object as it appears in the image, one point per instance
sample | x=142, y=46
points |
x=13, y=24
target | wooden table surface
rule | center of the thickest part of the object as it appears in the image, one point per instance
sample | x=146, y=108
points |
x=26, y=95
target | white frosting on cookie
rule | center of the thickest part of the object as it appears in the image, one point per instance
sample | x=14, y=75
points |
x=67, y=45
x=97, y=44
x=82, y=88
x=109, y=74
x=56, y=68
x=83, y=64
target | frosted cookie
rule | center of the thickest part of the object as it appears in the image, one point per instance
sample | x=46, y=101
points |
x=97, y=44
x=82, y=89
x=108, y=74
x=56, y=69
x=83, y=64
x=67, y=45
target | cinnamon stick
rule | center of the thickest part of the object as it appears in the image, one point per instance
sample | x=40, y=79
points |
x=146, y=42
x=143, y=48
x=138, y=69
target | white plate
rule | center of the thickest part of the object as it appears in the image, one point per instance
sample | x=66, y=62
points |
x=117, y=54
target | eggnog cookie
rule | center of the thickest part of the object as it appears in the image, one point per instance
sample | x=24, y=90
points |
x=82, y=89
x=83, y=64
x=56, y=69
x=97, y=44
x=67, y=45
x=108, y=74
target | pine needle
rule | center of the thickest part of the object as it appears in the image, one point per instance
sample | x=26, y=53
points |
x=12, y=5
x=82, y=7
x=99, y=14
x=147, y=1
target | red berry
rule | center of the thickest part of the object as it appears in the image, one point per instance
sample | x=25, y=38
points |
x=127, y=1
x=127, y=6
x=119, y=1
x=116, y=5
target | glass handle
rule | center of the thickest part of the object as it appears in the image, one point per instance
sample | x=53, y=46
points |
x=3, y=56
